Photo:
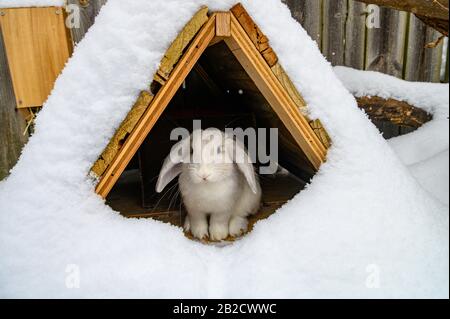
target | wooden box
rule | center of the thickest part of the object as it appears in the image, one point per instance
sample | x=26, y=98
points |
x=38, y=45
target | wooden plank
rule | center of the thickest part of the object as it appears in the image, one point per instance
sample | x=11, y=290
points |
x=223, y=24
x=286, y=82
x=422, y=64
x=176, y=49
x=12, y=125
x=250, y=58
x=215, y=41
x=255, y=34
x=121, y=134
x=386, y=45
x=37, y=46
x=355, y=35
x=88, y=12
x=309, y=14
x=333, y=36
x=159, y=103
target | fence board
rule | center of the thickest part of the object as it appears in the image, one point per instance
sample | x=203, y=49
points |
x=386, y=45
x=355, y=35
x=422, y=64
x=446, y=61
x=12, y=124
x=87, y=17
x=333, y=34
x=309, y=14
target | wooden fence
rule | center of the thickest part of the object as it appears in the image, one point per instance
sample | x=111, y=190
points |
x=397, y=47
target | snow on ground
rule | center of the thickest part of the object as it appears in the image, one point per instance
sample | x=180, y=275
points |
x=363, y=228
x=425, y=151
x=31, y=3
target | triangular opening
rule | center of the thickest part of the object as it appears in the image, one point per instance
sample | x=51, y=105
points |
x=224, y=80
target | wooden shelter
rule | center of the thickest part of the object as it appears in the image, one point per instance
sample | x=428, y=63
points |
x=220, y=69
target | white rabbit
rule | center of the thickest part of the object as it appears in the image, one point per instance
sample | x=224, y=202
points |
x=217, y=179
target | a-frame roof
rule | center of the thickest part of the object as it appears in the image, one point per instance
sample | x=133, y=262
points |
x=251, y=48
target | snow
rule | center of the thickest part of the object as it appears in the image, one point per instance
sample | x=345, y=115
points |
x=426, y=150
x=363, y=228
x=31, y=3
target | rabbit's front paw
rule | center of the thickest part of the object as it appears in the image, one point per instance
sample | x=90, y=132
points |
x=187, y=224
x=218, y=231
x=199, y=228
x=238, y=226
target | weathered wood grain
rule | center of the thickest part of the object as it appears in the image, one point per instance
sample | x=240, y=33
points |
x=176, y=49
x=38, y=46
x=428, y=8
x=255, y=34
x=290, y=88
x=355, y=35
x=385, y=50
x=286, y=82
x=223, y=24
x=12, y=125
x=333, y=37
x=432, y=12
x=88, y=12
x=422, y=64
x=309, y=14
x=393, y=111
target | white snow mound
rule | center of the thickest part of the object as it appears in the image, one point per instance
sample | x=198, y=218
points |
x=363, y=228
x=425, y=151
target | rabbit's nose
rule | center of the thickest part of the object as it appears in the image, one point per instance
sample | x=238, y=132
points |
x=205, y=176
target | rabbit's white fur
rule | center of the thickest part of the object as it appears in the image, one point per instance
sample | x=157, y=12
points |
x=225, y=191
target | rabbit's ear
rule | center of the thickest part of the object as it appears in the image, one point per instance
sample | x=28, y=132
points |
x=243, y=161
x=173, y=164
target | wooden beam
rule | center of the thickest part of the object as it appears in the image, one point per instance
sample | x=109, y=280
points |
x=158, y=105
x=394, y=111
x=223, y=24
x=257, y=68
x=286, y=82
x=178, y=46
x=255, y=34
x=290, y=88
x=215, y=41
x=432, y=12
x=427, y=8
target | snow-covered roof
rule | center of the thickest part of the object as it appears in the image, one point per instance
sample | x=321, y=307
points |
x=364, y=217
